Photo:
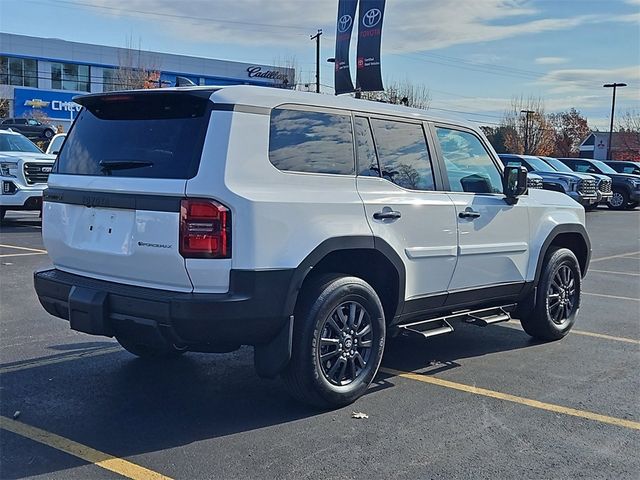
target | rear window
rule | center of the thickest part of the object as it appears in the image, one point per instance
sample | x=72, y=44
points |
x=314, y=142
x=154, y=135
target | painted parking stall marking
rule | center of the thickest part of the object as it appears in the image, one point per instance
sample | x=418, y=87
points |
x=619, y=422
x=100, y=459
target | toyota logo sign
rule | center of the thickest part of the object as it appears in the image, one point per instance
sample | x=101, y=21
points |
x=371, y=18
x=344, y=23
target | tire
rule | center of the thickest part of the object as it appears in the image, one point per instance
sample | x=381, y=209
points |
x=48, y=134
x=147, y=351
x=347, y=368
x=631, y=205
x=3, y=212
x=591, y=208
x=551, y=310
x=619, y=199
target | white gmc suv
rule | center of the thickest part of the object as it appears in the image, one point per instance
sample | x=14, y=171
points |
x=307, y=226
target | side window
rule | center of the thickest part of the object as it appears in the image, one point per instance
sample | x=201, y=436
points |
x=315, y=142
x=20, y=121
x=403, y=154
x=367, y=159
x=584, y=167
x=469, y=166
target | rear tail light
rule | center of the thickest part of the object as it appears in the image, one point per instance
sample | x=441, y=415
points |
x=205, y=229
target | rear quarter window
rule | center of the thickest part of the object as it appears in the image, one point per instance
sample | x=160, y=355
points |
x=147, y=135
x=313, y=142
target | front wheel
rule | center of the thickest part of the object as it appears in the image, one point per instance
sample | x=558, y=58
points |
x=338, y=341
x=48, y=134
x=619, y=199
x=557, y=297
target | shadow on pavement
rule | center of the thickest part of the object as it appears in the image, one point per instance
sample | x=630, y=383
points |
x=126, y=406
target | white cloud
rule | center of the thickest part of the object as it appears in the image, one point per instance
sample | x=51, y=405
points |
x=575, y=80
x=550, y=60
x=410, y=25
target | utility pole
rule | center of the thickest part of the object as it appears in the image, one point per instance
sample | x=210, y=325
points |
x=316, y=37
x=526, y=129
x=613, y=106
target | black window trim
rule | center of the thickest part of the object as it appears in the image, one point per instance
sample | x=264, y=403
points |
x=460, y=128
x=314, y=109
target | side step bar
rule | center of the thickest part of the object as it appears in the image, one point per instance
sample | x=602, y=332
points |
x=440, y=325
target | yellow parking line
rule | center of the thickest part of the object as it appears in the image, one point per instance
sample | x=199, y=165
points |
x=604, y=336
x=611, y=296
x=50, y=361
x=614, y=256
x=88, y=454
x=24, y=248
x=620, y=422
x=22, y=254
x=615, y=273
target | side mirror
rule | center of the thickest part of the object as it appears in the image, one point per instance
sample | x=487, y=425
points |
x=514, y=182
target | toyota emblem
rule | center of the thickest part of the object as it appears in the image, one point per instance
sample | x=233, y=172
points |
x=371, y=18
x=344, y=23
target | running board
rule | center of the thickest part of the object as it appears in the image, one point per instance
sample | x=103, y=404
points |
x=440, y=325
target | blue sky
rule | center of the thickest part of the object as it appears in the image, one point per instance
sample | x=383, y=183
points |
x=473, y=55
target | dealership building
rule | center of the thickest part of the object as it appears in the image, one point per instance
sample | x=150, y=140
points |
x=40, y=76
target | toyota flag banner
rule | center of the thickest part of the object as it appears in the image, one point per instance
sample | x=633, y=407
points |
x=369, y=75
x=346, y=16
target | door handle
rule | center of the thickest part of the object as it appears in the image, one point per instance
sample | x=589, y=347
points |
x=392, y=214
x=469, y=213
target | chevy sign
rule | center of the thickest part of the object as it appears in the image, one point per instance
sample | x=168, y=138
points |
x=54, y=104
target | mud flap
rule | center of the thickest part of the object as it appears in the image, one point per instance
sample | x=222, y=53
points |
x=88, y=311
x=271, y=358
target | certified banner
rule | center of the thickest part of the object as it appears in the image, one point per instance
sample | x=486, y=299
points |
x=369, y=75
x=344, y=27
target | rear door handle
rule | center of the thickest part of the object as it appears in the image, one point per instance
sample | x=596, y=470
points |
x=387, y=214
x=469, y=213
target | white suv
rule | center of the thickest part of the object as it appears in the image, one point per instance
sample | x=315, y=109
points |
x=24, y=170
x=310, y=227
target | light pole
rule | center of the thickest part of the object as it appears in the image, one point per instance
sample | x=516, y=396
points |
x=526, y=129
x=316, y=37
x=613, y=106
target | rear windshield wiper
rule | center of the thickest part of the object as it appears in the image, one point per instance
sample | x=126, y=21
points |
x=109, y=165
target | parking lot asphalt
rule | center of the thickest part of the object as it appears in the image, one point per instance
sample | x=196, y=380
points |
x=477, y=403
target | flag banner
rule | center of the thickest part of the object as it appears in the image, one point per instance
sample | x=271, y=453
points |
x=344, y=27
x=369, y=75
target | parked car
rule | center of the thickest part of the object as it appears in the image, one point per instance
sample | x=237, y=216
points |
x=308, y=226
x=24, y=171
x=603, y=182
x=626, y=187
x=582, y=188
x=624, y=167
x=534, y=180
x=55, y=145
x=30, y=127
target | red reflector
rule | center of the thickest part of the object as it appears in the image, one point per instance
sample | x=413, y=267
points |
x=117, y=98
x=205, y=229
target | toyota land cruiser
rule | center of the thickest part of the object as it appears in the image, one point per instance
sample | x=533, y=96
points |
x=309, y=227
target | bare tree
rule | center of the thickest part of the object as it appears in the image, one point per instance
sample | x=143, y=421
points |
x=290, y=68
x=4, y=106
x=532, y=130
x=628, y=136
x=407, y=93
x=135, y=70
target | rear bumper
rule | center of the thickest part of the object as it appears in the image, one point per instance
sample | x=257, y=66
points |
x=252, y=313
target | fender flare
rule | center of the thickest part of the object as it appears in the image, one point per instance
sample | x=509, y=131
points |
x=337, y=244
x=555, y=232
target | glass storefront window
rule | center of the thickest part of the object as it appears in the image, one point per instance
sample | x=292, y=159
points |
x=70, y=76
x=22, y=72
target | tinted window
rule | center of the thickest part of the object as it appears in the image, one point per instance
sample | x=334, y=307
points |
x=367, y=159
x=152, y=136
x=403, y=155
x=17, y=143
x=584, y=167
x=303, y=141
x=470, y=168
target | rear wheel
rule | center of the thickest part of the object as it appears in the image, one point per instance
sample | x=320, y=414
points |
x=48, y=134
x=147, y=351
x=338, y=341
x=619, y=200
x=551, y=311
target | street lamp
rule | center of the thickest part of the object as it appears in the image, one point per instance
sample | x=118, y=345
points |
x=613, y=106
